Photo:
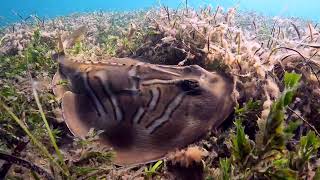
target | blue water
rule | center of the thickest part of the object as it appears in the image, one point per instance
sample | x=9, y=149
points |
x=308, y=9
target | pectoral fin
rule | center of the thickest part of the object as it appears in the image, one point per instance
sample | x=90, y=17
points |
x=79, y=114
x=58, y=86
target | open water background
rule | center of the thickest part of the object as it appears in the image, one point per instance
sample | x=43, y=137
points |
x=307, y=9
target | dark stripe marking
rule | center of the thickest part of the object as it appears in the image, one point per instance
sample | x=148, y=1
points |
x=165, y=116
x=108, y=96
x=95, y=96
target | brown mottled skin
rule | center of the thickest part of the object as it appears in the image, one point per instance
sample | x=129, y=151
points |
x=177, y=104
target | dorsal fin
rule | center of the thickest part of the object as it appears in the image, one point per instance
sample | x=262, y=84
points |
x=67, y=42
x=74, y=37
x=60, y=56
x=60, y=45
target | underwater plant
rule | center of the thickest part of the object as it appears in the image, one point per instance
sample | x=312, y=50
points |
x=275, y=129
x=152, y=170
x=271, y=158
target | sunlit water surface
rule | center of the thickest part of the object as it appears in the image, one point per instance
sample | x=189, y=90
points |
x=9, y=9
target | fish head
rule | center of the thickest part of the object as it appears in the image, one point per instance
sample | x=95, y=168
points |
x=74, y=75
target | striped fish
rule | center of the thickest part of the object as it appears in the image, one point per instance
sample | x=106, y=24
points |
x=145, y=110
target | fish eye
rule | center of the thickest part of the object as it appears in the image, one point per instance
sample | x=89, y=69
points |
x=194, y=69
x=191, y=87
x=187, y=69
x=213, y=80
